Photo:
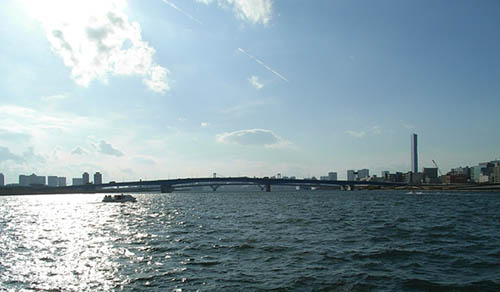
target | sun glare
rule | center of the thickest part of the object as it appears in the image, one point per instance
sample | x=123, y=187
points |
x=55, y=12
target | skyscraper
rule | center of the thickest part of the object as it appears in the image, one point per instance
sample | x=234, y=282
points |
x=97, y=178
x=414, y=154
x=85, y=178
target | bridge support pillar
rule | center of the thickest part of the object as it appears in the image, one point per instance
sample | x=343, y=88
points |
x=166, y=188
x=268, y=188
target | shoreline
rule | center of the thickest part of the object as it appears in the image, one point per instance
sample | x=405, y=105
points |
x=20, y=191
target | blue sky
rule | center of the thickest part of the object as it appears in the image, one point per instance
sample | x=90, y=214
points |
x=163, y=89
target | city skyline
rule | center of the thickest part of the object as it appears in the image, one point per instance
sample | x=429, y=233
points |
x=163, y=89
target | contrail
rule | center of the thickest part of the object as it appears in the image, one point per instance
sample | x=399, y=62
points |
x=264, y=65
x=182, y=11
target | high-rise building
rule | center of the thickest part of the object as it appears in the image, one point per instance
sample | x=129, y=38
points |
x=61, y=181
x=97, y=178
x=414, y=154
x=52, y=181
x=29, y=180
x=332, y=176
x=351, y=175
x=2, y=180
x=85, y=178
x=363, y=174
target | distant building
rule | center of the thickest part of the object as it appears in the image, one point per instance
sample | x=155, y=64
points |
x=2, y=180
x=55, y=181
x=31, y=180
x=77, y=181
x=332, y=175
x=454, y=179
x=97, y=178
x=24, y=180
x=85, y=178
x=61, y=181
x=363, y=174
x=351, y=175
x=414, y=154
x=394, y=177
x=52, y=181
x=496, y=173
x=483, y=172
x=430, y=172
x=462, y=170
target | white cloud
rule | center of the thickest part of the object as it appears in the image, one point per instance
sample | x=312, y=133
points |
x=254, y=80
x=156, y=81
x=32, y=123
x=376, y=130
x=95, y=39
x=355, y=134
x=78, y=151
x=253, y=11
x=106, y=148
x=204, y=124
x=253, y=137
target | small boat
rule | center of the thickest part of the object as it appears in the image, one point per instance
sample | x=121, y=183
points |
x=118, y=198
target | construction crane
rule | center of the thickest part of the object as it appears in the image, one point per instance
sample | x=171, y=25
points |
x=440, y=174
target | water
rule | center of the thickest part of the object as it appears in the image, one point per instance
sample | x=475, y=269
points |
x=295, y=241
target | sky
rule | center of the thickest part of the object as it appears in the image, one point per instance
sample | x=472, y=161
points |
x=184, y=88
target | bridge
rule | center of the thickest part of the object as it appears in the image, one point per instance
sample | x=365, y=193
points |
x=265, y=183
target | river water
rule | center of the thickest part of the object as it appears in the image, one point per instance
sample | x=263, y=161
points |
x=255, y=241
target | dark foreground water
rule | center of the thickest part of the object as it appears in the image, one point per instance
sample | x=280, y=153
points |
x=295, y=241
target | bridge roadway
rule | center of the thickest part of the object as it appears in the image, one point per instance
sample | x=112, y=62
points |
x=168, y=185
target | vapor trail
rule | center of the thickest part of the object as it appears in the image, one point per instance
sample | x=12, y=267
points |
x=181, y=11
x=264, y=65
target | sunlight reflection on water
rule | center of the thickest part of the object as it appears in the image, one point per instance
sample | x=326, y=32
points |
x=65, y=242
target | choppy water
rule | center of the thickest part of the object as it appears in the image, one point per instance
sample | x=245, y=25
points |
x=296, y=241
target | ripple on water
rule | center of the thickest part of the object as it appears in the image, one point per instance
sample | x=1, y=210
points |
x=299, y=241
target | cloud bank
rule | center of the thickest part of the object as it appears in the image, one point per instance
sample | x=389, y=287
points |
x=253, y=137
x=106, y=148
x=96, y=39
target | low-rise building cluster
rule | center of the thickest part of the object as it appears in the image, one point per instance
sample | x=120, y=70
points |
x=52, y=180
